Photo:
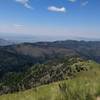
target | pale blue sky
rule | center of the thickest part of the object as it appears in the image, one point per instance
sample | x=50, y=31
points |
x=79, y=18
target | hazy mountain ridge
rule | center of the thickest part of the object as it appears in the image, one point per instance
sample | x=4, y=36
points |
x=25, y=54
x=88, y=49
x=4, y=42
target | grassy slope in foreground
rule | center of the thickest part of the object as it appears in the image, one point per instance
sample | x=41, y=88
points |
x=86, y=86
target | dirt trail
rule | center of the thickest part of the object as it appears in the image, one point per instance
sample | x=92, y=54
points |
x=98, y=98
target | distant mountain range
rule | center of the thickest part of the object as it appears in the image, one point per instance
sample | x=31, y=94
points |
x=19, y=57
x=4, y=42
x=35, y=38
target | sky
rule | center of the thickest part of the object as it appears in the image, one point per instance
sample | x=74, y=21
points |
x=56, y=18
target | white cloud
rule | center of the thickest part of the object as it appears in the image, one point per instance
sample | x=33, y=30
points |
x=18, y=25
x=84, y=3
x=25, y=3
x=57, y=9
x=72, y=1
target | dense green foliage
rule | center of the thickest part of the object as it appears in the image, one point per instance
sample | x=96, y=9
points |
x=51, y=71
x=85, y=86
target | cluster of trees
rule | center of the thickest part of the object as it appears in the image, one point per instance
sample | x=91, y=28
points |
x=38, y=74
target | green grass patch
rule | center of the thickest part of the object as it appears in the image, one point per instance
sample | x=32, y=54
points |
x=85, y=86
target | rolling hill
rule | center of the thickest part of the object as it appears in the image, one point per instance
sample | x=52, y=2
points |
x=85, y=86
x=16, y=57
x=27, y=65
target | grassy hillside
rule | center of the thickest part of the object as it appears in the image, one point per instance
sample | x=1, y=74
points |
x=85, y=86
x=40, y=74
